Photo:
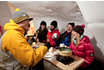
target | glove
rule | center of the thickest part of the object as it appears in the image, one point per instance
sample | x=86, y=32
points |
x=48, y=45
x=54, y=36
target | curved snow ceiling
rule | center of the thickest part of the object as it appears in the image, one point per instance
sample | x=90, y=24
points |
x=63, y=12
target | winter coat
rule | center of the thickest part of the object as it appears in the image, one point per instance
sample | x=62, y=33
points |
x=84, y=50
x=65, y=38
x=42, y=34
x=15, y=43
x=50, y=36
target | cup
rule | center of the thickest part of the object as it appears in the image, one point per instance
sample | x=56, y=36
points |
x=62, y=45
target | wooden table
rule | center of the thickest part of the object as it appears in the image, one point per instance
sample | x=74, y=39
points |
x=72, y=66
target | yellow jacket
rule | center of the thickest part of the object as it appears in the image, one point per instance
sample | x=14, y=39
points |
x=15, y=42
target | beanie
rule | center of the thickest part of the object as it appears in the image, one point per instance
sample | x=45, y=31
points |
x=54, y=23
x=43, y=23
x=79, y=29
x=20, y=16
x=72, y=24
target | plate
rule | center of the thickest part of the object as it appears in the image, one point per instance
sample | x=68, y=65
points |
x=49, y=55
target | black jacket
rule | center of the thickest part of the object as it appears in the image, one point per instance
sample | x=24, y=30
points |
x=42, y=34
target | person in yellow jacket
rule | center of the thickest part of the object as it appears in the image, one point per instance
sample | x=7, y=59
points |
x=15, y=52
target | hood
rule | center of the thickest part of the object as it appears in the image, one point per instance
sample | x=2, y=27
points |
x=13, y=25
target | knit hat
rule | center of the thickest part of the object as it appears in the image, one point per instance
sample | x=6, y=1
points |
x=43, y=23
x=54, y=23
x=72, y=24
x=79, y=29
x=20, y=16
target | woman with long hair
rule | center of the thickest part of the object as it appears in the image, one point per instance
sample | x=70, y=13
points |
x=81, y=45
x=42, y=32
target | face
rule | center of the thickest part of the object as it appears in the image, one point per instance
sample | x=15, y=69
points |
x=25, y=25
x=74, y=34
x=69, y=28
x=52, y=27
x=42, y=27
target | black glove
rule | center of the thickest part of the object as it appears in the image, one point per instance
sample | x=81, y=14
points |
x=48, y=44
x=31, y=41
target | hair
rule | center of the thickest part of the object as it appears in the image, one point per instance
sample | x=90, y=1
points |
x=77, y=39
x=71, y=23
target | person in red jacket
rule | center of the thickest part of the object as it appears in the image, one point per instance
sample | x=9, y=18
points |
x=81, y=45
x=53, y=34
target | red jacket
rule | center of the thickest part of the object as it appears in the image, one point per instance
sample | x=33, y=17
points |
x=84, y=50
x=50, y=35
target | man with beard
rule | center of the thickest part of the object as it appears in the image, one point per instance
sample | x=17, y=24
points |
x=15, y=52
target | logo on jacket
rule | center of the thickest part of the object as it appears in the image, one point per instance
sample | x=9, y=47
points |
x=91, y=54
x=55, y=36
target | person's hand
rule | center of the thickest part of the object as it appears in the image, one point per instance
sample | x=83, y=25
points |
x=41, y=44
x=77, y=37
x=35, y=38
x=48, y=45
x=48, y=40
x=51, y=49
x=72, y=37
x=55, y=36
